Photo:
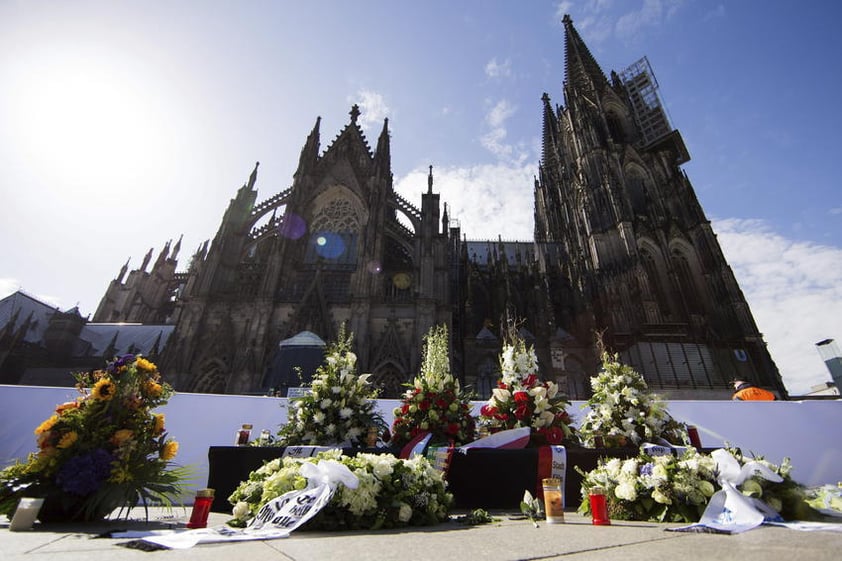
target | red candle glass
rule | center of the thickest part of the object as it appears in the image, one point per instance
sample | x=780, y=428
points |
x=693, y=433
x=201, y=508
x=599, y=507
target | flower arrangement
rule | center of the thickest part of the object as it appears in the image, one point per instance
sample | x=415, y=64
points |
x=340, y=407
x=655, y=488
x=435, y=402
x=392, y=493
x=521, y=399
x=104, y=450
x=623, y=412
x=678, y=488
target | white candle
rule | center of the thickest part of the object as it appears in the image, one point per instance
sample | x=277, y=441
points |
x=25, y=514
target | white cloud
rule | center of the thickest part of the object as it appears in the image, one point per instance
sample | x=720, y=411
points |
x=496, y=69
x=488, y=200
x=794, y=290
x=494, y=140
x=836, y=210
x=373, y=108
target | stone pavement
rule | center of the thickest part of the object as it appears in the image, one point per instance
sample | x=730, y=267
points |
x=506, y=539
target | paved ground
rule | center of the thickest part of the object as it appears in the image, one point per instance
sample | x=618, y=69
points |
x=506, y=539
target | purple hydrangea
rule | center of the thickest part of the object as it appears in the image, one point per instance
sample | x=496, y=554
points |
x=82, y=475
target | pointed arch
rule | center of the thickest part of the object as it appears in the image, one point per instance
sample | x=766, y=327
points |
x=688, y=275
x=389, y=379
x=637, y=188
x=656, y=284
x=212, y=377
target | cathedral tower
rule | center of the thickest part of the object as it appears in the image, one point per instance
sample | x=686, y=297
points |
x=632, y=240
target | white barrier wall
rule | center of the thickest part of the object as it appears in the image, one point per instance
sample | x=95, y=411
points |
x=801, y=430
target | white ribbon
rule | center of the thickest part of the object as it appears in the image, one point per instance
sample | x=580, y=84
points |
x=729, y=511
x=330, y=473
x=278, y=517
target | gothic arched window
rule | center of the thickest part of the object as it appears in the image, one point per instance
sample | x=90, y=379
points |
x=686, y=278
x=636, y=189
x=333, y=234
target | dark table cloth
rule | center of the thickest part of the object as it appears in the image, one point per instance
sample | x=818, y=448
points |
x=480, y=478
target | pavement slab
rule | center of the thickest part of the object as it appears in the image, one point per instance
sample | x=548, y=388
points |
x=508, y=538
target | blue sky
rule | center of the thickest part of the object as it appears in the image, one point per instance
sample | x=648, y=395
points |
x=126, y=124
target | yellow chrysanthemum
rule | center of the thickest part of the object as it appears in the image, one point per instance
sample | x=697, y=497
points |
x=144, y=365
x=103, y=389
x=158, y=427
x=46, y=425
x=68, y=440
x=121, y=436
x=169, y=450
x=153, y=389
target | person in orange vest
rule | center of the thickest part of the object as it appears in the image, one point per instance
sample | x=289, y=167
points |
x=746, y=391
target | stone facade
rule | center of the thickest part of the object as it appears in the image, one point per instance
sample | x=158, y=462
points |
x=622, y=248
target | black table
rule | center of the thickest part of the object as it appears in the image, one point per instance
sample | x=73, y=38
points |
x=480, y=478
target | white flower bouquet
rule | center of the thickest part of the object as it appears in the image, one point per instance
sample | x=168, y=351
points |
x=624, y=413
x=678, y=488
x=392, y=493
x=340, y=408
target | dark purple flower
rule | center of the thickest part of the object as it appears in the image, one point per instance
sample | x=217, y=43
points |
x=120, y=362
x=82, y=475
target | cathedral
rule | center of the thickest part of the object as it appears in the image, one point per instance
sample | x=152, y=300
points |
x=622, y=254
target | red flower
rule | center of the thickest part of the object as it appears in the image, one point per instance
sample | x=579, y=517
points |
x=405, y=409
x=501, y=385
x=452, y=428
x=522, y=411
x=530, y=380
x=488, y=410
x=424, y=405
x=554, y=435
x=521, y=396
x=441, y=403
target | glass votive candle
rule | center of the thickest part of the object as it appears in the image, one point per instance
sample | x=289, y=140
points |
x=25, y=514
x=599, y=507
x=553, y=500
x=201, y=508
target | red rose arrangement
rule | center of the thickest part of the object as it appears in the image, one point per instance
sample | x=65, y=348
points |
x=435, y=402
x=521, y=399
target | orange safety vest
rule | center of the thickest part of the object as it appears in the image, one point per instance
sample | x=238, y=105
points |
x=752, y=393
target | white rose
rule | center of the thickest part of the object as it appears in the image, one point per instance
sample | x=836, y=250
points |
x=346, y=412
x=241, y=510
x=405, y=512
x=501, y=395
x=626, y=491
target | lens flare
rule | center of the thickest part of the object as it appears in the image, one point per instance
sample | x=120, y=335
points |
x=329, y=245
x=292, y=227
